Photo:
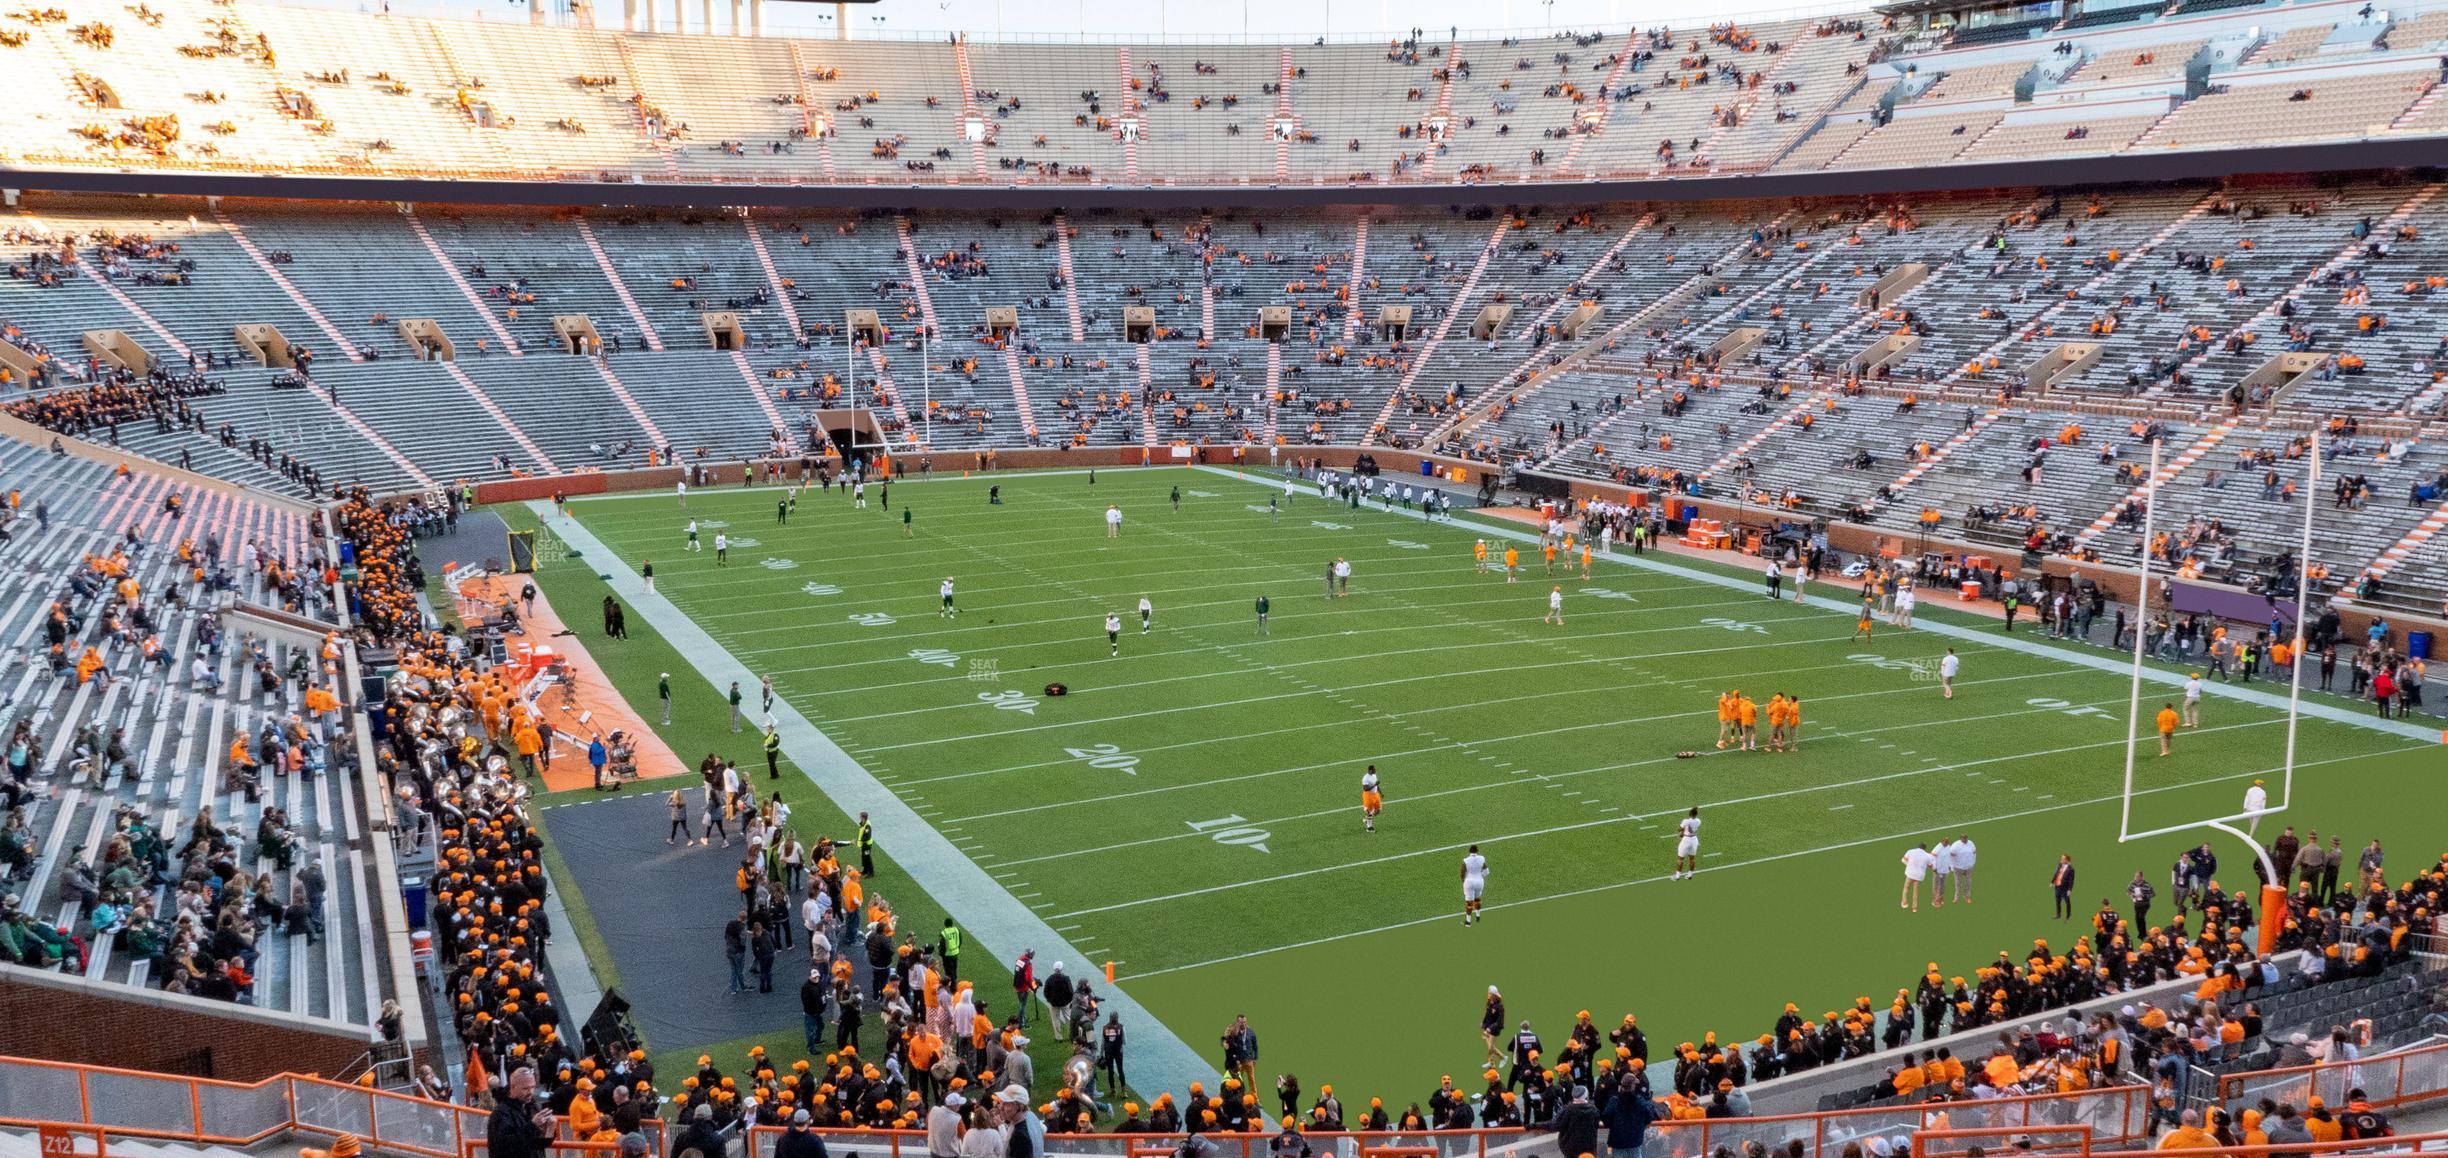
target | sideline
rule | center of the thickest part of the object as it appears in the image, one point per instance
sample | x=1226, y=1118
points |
x=2277, y=702
x=1000, y=923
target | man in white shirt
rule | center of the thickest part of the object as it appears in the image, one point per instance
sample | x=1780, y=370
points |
x=722, y=549
x=1966, y=856
x=1947, y=668
x=1555, y=606
x=944, y=589
x=1687, y=846
x=693, y=544
x=2192, y=700
x=1113, y=631
x=1942, y=863
x=1113, y=521
x=2256, y=802
x=1147, y=612
x=1342, y=575
x=943, y=1127
x=1474, y=884
x=1917, y=863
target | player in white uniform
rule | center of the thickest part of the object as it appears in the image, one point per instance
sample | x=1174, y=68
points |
x=1555, y=606
x=1687, y=846
x=1113, y=631
x=947, y=611
x=1904, y=600
x=1147, y=611
x=1946, y=673
x=1474, y=883
x=693, y=544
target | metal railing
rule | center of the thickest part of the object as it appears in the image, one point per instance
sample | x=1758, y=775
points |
x=2395, y=1080
x=207, y=1112
x=2119, y=1115
x=1506, y=1143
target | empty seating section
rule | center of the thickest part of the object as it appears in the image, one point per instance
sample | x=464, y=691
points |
x=2348, y=106
x=361, y=287
x=2031, y=138
x=2417, y=31
x=174, y=728
x=422, y=411
x=1364, y=110
x=1821, y=147
x=699, y=401
x=545, y=100
x=1973, y=82
x=1907, y=141
x=384, y=81
x=731, y=102
x=2135, y=64
x=679, y=267
x=2291, y=45
x=528, y=269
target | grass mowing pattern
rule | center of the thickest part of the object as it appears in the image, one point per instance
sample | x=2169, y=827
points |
x=1190, y=809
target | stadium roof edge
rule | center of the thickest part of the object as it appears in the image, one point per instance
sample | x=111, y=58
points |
x=2420, y=152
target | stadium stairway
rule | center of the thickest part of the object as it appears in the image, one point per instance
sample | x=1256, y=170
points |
x=176, y=729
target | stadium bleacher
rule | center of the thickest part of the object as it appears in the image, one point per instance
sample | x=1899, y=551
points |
x=2033, y=346
x=139, y=745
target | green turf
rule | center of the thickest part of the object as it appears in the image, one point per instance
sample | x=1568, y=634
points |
x=700, y=724
x=1190, y=810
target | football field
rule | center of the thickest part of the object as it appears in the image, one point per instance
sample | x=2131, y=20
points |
x=1189, y=810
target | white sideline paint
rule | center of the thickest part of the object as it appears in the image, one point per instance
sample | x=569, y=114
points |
x=2114, y=665
x=1001, y=923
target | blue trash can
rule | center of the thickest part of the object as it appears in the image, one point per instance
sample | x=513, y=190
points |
x=1428, y=468
x=2418, y=645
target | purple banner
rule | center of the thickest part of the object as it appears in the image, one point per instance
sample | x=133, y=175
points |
x=2227, y=603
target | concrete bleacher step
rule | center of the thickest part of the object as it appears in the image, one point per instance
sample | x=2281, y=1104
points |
x=1444, y=326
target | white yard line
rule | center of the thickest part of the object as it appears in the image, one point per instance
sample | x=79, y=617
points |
x=1838, y=847
x=1998, y=640
x=1550, y=779
x=1000, y=923
x=1549, y=831
x=1284, y=667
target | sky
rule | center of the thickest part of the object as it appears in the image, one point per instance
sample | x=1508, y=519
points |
x=1142, y=20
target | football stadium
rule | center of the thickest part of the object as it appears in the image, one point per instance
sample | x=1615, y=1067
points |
x=793, y=580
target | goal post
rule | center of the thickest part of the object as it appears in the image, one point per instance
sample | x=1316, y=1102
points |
x=2273, y=895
